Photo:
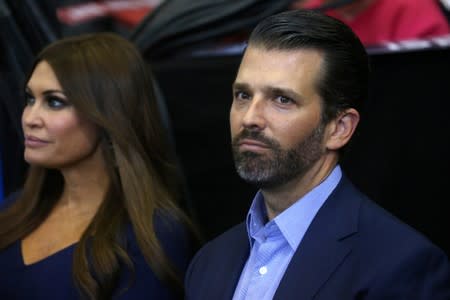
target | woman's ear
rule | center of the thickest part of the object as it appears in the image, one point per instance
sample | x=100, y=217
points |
x=341, y=129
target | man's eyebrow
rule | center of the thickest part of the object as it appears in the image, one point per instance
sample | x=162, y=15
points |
x=283, y=91
x=240, y=86
x=271, y=90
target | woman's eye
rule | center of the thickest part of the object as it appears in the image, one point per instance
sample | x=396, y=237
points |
x=29, y=100
x=56, y=102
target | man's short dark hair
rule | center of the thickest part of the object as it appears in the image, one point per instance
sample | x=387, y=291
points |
x=344, y=79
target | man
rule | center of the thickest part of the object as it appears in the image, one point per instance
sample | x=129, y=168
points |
x=309, y=233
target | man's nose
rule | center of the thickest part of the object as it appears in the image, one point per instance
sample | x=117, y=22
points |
x=254, y=117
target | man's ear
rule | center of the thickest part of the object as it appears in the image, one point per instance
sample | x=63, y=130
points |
x=341, y=129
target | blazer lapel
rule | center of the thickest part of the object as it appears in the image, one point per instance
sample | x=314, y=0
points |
x=236, y=254
x=325, y=245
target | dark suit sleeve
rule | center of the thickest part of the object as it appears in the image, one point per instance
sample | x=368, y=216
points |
x=189, y=280
x=420, y=275
x=216, y=268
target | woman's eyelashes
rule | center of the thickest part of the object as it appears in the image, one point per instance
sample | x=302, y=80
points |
x=55, y=102
x=29, y=99
x=50, y=100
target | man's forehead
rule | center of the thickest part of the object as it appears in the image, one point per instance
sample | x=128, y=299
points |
x=289, y=72
x=260, y=61
x=283, y=49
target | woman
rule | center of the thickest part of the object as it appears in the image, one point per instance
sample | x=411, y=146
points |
x=96, y=218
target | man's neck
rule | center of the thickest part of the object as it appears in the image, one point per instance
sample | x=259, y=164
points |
x=280, y=198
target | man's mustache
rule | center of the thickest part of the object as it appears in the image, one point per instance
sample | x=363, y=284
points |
x=254, y=135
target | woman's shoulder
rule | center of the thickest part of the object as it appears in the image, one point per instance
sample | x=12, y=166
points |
x=169, y=227
x=10, y=199
x=171, y=231
x=176, y=242
x=174, y=235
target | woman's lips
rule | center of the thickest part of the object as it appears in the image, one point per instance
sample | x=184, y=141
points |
x=34, y=142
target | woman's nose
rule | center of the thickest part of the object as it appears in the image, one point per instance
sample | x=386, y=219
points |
x=32, y=116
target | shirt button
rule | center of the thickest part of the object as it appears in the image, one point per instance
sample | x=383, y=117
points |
x=263, y=270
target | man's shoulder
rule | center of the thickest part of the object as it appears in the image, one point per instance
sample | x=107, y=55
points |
x=376, y=221
x=376, y=225
x=232, y=244
x=382, y=232
x=236, y=235
x=225, y=254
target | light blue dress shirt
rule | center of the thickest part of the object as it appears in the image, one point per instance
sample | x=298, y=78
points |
x=274, y=243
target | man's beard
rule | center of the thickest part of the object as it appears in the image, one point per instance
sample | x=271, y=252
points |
x=280, y=165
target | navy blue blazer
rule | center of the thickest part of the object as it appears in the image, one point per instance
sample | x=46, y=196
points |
x=353, y=249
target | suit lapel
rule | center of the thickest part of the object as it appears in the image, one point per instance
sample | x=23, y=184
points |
x=325, y=245
x=237, y=252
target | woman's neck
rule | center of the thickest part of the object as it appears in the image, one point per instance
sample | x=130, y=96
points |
x=85, y=184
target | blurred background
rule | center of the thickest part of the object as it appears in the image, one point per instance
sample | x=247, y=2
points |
x=400, y=156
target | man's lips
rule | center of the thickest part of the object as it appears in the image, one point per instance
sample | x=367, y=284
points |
x=252, y=145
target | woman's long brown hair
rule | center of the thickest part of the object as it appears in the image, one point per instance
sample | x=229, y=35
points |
x=105, y=78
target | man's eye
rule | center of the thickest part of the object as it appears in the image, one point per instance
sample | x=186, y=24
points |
x=56, y=102
x=241, y=95
x=283, y=100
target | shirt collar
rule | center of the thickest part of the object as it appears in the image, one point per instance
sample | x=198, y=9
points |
x=294, y=221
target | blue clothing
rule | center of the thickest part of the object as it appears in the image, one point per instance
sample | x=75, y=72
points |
x=274, y=243
x=1, y=175
x=353, y=249
x=51, y=278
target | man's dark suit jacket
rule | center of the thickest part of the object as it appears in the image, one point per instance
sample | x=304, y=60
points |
x=353, y=249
